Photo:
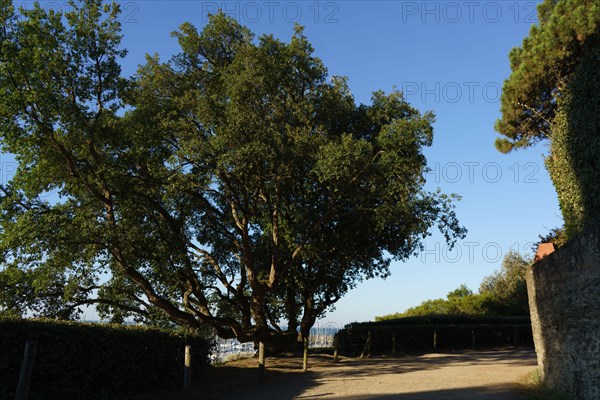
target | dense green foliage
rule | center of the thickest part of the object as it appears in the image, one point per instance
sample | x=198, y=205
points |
x=473, y=304
x=425, y=334
x=507, y=287
x=236, y=185
x=94, y=361
x=502, y=293
x=575, y=150
x=554, y=92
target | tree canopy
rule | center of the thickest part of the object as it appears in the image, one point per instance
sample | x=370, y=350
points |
x=236, y=185
x=553, y=93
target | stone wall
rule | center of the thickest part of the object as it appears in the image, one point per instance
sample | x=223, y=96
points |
x=564, y=299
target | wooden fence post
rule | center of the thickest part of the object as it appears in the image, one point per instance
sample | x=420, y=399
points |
x=336, y=347
x=435, y=340
x=367, y=349
x=394, y=344
x=187, y=374
x=261, y=362
x=26, y=370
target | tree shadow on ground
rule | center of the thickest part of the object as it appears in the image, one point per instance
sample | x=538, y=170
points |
x=357, y=368
x=284, y=379
x=471, y=393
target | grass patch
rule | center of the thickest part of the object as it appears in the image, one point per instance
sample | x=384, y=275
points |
x=537, y=390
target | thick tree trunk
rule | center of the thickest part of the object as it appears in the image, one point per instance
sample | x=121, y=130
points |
x=305, y=354
x=308, y=320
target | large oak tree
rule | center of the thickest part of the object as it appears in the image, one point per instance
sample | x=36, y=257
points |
x=236, y=185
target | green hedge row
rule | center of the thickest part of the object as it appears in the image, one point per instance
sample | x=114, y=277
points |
x=436, y=333
x=95, y=361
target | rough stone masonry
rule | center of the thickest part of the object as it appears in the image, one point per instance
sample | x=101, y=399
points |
x=564, y=301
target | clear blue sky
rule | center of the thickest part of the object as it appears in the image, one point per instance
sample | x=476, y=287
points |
x=449, y=57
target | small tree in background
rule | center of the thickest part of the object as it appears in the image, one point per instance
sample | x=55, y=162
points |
x=459, y=292
x=508, y=287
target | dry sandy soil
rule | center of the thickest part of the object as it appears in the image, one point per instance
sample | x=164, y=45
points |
x=478, y=375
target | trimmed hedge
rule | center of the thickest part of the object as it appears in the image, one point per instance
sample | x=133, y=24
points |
x=95, y=361
x=416, y=334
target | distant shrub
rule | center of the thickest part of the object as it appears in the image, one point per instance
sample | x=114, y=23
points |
x=94, y=361
x=472, y=304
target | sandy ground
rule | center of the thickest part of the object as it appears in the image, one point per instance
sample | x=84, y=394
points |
x=484, y=375
x=478, y=375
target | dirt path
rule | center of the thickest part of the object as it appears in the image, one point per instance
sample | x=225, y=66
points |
x=480, y=375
